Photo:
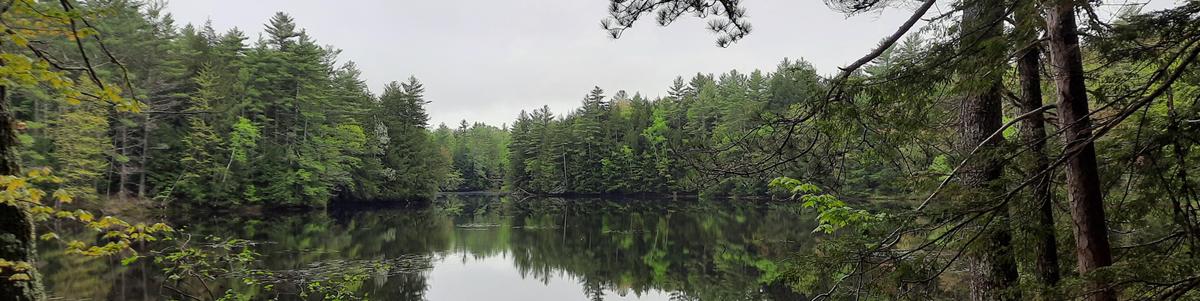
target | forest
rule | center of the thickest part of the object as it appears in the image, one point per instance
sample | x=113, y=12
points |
x=985, y=150
x=224, y=121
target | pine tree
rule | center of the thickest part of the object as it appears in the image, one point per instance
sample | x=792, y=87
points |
x=522, y=149
x=81, y=148
x=408, y=174
x=589, y=143
x=202, y=166
x=281, y=30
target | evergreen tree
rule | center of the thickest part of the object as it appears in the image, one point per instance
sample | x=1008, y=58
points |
x=81, y=147
x=281, y=30
x=202, y=166
x=408, y=173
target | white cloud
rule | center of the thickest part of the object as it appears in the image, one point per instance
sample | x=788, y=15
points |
x=485, y=60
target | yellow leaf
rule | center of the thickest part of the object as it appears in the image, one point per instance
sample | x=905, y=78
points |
x=41, y=210
x=22, y=266
x=49, y=236
x=84, y=216
x=62, y=196
x=112, y=94
x=15, y=184
x=36, y=194
x=19, y=40
x=160, y=227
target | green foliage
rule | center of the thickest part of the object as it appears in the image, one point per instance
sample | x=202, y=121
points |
x=29, y=192
x=202, y=146
x=217, y=120
x=705, y=137
x=276, y=123
x=478, y=155
x=832, y=214
x=410, y=158
x=80, y=150
x=200, y=263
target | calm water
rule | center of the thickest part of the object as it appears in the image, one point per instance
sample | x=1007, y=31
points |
x=498, y=248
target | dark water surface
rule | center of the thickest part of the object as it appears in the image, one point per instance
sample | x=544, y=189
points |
x=496, y=248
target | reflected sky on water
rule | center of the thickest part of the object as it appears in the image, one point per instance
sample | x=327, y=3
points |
x=493, y=248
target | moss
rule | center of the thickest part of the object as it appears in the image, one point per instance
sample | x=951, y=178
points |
x=17, y=244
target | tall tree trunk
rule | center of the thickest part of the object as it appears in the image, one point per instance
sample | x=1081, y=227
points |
x=1033, y=135
x=1083, y=180
x=123, y=162
x=16, y=226
x=980, y=115
x=144, y=156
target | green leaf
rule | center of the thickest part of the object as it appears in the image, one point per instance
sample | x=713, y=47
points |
x=129, y=260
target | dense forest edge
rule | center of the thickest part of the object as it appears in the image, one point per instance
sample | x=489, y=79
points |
x=997, y=150
x=280, y=121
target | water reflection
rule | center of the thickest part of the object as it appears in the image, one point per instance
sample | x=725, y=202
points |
x=499, y=248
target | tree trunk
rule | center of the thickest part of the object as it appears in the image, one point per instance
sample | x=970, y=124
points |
x=144, y=157
x=1083, y=180
x=16, y=226
x=123, y=169
x=1033, y=135
x=980, y=115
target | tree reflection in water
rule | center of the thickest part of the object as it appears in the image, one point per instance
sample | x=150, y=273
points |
x=622, y=249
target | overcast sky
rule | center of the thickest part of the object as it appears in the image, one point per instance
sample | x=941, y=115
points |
x=486, y=60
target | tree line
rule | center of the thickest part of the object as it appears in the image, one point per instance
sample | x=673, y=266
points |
x=478, y=155
x=226, y=121
x=684, y=142
x=1034, y=149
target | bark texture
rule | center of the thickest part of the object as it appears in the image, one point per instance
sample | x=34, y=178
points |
x=1083, y=181
x=1038, y=206
x=16, y=226
x=980, y=114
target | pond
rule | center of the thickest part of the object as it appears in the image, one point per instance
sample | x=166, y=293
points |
x=494, y=248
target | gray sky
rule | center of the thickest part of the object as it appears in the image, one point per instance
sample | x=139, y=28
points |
x=486, y=60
